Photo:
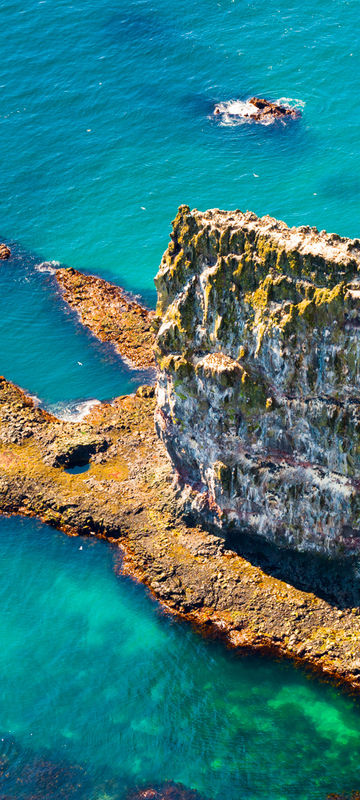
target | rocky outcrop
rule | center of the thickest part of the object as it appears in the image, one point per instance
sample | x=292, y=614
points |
x=5, y=251
x=258, y=395
x=127, y=497
x=112, y=315
x=295, y=606
x=257, y=109
x=265, y=109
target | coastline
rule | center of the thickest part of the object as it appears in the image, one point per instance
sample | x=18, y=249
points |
x=127, y=496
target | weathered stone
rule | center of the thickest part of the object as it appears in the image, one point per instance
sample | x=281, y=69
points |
x=255, y=600
x=112, y=315
x=267, y=109
x=258, y=349
x=258, y=109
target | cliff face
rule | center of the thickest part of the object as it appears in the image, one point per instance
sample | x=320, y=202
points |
x=258, y=397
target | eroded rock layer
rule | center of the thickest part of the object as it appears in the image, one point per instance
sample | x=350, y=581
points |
x=258, y=396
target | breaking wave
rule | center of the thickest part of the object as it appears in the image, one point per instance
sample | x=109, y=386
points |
x=47, y=266
x=239, y=112
x=72, y=411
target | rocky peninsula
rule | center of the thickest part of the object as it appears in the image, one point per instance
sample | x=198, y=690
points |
x=112, y=315
x=228, y=583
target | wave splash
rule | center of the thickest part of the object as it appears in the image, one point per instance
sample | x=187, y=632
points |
x=72, y=411
x=243, y=112
x=47, y=266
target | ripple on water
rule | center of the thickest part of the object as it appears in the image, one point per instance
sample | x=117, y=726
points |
x=93, y=676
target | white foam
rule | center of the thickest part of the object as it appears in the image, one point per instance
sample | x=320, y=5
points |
x=73, y=412
x=239, y=112
x=235, y=112
x=291, y=102
x=47, y=266
x=36, y=400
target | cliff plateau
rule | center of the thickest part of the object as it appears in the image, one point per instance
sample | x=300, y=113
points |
x=258, y=395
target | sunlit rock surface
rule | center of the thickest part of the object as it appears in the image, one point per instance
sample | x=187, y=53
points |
x=259, y=387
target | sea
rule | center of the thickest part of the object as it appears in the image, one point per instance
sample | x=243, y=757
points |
x=106, y=126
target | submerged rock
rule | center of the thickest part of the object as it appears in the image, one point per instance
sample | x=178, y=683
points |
x=164, y=791
x=5, y=251
x=258, y=394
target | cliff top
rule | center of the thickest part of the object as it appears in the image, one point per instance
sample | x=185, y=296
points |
x=304, y=239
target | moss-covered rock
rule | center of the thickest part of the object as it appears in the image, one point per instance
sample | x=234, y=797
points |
x=258, y=348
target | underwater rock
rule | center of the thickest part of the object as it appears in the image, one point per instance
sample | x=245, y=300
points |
x=25, y=775
x=258, y=392
x=165, y=791
x=5, y=251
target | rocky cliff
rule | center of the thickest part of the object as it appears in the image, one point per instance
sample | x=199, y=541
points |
x=258, y=350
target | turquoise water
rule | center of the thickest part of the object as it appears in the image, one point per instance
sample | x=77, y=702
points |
x=43, y=347
x=94, y=676
x=105, y=128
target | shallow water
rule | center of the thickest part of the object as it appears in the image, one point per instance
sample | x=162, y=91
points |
x=106, y=126
x=94, y=675
x=44, y=348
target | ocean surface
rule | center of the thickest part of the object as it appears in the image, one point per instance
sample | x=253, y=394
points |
x=106, y=126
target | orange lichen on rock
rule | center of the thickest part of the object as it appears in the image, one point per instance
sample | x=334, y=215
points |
x=111, y=314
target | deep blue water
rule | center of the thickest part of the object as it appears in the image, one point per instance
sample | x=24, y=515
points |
x=106, y=127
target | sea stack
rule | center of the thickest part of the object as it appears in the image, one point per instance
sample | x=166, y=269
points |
x=258, y=397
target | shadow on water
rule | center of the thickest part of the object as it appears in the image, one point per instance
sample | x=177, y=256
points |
x=139, y=26
x=342, y=186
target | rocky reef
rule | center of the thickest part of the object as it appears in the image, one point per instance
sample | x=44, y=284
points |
x=127, y=496
x=258, y=349
x=164, y=791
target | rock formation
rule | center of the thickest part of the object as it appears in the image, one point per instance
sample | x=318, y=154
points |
x=257, y=109
x=112, y=315
x=258, y=394
x=5, y=251
x=267, y=109
x=256, y=601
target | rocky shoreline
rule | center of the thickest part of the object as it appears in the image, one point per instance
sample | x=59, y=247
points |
x=112, y=315
x=234, y=590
